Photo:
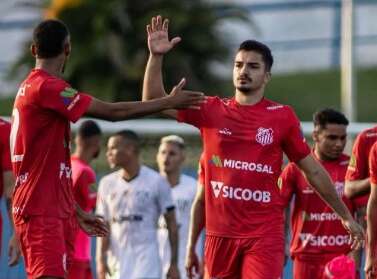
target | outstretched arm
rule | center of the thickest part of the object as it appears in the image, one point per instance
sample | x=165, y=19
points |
x=158, y=45
x=320, y=180
x=357, y=188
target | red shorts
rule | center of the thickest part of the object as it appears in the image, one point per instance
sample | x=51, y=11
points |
x=80, y=270
x=47, y=244
x=244, y=258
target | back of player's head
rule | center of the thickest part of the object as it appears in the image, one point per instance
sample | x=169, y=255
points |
x=174, y=139
x=329, y=116
x=49, y=38
x=88, y=129
x=130, y=137
x=264, y=50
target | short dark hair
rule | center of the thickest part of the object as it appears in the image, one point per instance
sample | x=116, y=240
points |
x=88, y=129
x=49, y=37
x=131, y=137
x=264, y=50
x=329, y=116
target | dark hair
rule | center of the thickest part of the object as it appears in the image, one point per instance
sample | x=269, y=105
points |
x=48, y=37
x=252, y=45
x=329, y=116
x=88, y=129
x=131, y=137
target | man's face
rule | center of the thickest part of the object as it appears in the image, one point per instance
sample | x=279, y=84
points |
x=118, y=152
x=169, y=157
x=249, y=73
x=330, y=142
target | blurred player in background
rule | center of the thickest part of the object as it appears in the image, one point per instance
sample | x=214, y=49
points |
x=371, y=248
x=318, y=235
x=244, y=139
x=131, y=201
x=170, y=158
x=88, y=146
x=6, y=188
x=44, y=211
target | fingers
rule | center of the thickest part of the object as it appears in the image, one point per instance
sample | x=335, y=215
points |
x=13, y=256
x=165, y=25
x=149, y=29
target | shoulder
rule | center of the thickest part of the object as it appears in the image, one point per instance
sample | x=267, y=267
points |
x=188, y=180
x=108, y=180
x=278, y=110
x=150, y=175
x=370, y=133
x=51, y=85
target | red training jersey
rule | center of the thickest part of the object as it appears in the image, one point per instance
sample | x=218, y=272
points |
x=40, y=145
x=243, y=153
x=358, y=167
x=316, y=228
x=373, y=164
x=5, y=163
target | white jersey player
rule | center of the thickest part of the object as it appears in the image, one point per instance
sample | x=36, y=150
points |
x=131, y=201
x=170, y=157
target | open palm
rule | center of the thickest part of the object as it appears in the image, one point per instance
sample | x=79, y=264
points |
x=158, y=37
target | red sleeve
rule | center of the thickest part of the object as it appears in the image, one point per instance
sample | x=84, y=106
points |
x=373, y=165
x=5, y=160
x=81, y=189
x=57, y=95
x=196, y=117
x=287, y=183
x=294, y=143
x=358, y=165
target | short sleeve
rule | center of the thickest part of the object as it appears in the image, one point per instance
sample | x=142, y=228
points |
x=196, y=117
x=102, y=208
x=5, y=160
x=358, y=165
x=294, y=143
x=164, y=196
x=287, y=183
x=373, y=164
x=57, y=95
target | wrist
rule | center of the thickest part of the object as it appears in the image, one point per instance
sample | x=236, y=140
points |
x=156, y=55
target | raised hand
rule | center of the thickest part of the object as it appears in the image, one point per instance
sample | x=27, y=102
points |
x=158, y=36
x=185, y=98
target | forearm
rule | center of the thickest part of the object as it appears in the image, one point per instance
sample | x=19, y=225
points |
x=196, y=223
x=173, y=240
x=357, y=188
x=153, y=86
x=8, y=192
x=103, y=244
x=372, y=226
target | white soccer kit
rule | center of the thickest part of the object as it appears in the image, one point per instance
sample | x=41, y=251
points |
x=132, y=210
x=183, y=197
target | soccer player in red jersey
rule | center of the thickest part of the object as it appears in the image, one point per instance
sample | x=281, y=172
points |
x=88, y=146
x=244, y=139
x=318, y=235
x=44, y=211
x=371, y=255
x=6, y=188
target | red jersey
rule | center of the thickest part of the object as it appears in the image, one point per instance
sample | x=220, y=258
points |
x=316, y=228
x=243, y=154
x=83, y=178
x=373, y=164
x=5, y=164
x=40, y=145
x=358, y=167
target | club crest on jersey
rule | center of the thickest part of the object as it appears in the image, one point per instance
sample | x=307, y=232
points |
x=264, y=136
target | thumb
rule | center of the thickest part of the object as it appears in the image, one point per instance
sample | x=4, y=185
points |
x=175, y=40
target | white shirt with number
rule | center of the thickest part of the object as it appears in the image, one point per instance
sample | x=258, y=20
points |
x=183, y=197
x=132, y=210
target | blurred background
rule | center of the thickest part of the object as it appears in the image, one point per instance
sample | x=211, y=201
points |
x=315, y=66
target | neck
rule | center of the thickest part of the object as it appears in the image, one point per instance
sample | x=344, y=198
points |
x=51, y=66
x=82, y=155
x=322, y=156
x=131, y=170
x=251, y=99
x=172, y=178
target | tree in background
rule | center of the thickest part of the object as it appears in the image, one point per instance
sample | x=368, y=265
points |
x=109, y=44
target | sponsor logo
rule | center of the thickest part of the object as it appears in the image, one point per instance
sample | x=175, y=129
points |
x=21, y=179
x=225, y=131
x=17, y=210
x=22, y=90
x=324, y=240
x=308, y=190
x=371, y=135
x=323, y=216
x=240, y=165
x=74, y=102
x=65, y=171
x=237, y=193
x=264, y=136
x=68, y=94
x=275, y=107
x=352, y=162
x=17, y=158
x=339, y=187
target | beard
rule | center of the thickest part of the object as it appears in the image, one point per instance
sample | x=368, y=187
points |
x=244, y=89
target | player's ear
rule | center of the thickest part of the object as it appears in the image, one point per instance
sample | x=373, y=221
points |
x=267, y=77
x=315, y=135
x=33, y=50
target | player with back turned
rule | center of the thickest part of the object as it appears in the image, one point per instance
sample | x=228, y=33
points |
x=44, y=211
x=244, y=139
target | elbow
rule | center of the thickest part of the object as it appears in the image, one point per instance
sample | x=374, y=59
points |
x=349, y=190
